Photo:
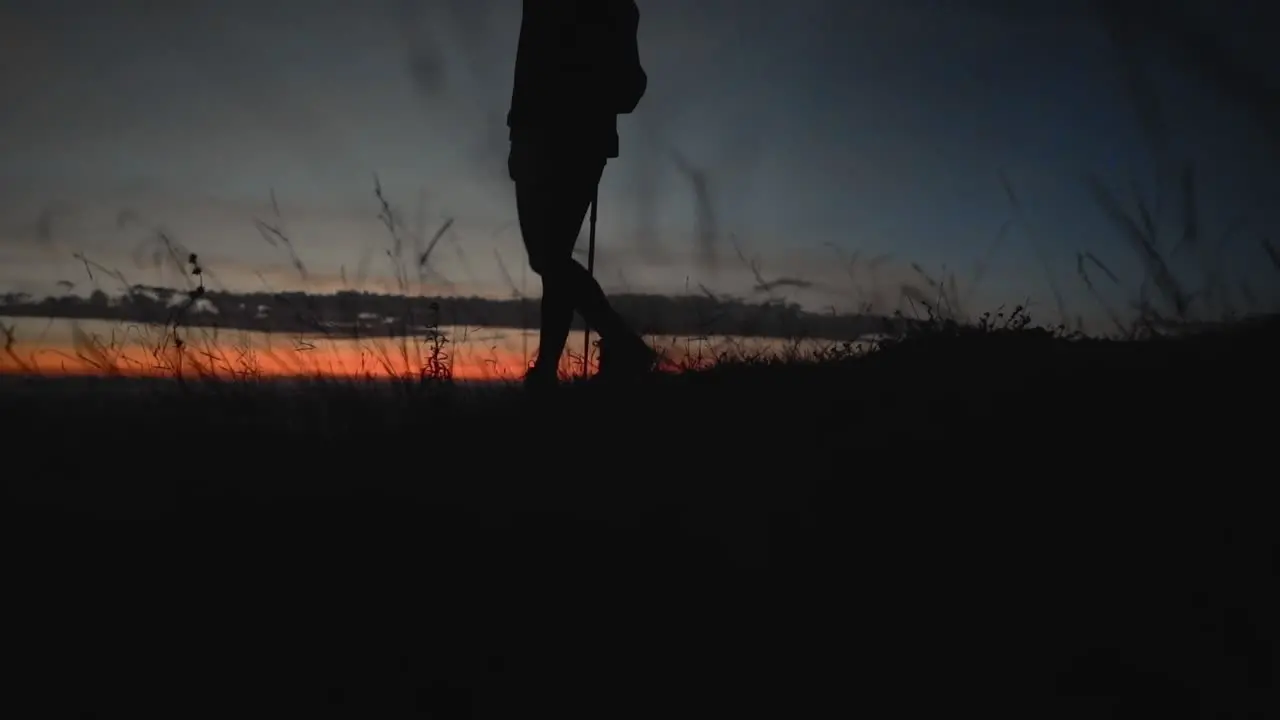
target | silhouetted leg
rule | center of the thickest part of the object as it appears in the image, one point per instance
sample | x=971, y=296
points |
x=548, y=228
x=591, y=302
x=552, y=197
x=557, y=321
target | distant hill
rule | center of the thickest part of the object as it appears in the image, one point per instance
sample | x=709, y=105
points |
x=372, y=314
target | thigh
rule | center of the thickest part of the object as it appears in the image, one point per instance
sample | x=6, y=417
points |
x=552, y=198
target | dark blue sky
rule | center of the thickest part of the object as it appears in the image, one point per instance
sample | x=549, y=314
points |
x=876, y=127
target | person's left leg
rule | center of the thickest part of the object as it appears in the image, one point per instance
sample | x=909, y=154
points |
x=551, y=206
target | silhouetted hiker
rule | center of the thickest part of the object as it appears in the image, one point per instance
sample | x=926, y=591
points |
x=577, y=69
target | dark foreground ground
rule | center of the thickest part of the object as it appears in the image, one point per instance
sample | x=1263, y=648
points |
x=990, y=525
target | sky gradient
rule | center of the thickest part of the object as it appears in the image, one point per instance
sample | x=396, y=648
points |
x=823, y=128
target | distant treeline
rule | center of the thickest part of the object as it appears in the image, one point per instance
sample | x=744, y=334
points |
x=371, y=314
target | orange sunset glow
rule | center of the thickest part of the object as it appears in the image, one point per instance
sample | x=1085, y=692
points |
x=136, y=351
x=55, y=346
x=212, y=360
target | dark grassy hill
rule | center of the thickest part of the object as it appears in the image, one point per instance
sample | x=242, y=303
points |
x=1006, y=523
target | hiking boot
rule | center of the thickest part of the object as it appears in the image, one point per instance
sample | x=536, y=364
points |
x=625, y=359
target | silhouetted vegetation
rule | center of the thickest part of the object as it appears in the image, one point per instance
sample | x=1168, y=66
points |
x=992, y=516
x=983, y=514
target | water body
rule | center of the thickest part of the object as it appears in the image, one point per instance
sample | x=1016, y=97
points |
x=59, y=346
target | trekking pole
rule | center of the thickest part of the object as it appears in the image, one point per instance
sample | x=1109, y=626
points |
x=591, y=268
